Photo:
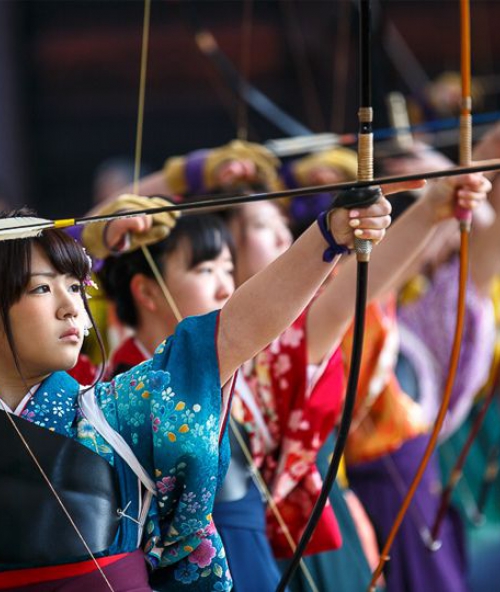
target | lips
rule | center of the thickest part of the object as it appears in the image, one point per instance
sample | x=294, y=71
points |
x=72, y=333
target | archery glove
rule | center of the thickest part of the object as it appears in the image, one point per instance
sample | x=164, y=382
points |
x=94, y=235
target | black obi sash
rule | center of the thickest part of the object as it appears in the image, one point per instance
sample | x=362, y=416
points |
x=34, y=531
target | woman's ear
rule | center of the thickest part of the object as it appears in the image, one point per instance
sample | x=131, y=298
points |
x=144, y=292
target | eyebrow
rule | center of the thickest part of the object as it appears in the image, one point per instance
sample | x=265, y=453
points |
x=44, y=273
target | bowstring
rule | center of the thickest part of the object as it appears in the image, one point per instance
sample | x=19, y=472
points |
x=247, y=27
x=138, y=150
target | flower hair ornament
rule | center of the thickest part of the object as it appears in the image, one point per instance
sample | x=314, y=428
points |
x=88, y=282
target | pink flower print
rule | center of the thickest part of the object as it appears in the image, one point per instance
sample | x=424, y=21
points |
x=206, y=530
x=282, y=365
x=156, y=423
x=166, y=484
x=274, y=346
x=298, y=469
x=203, y=554
x=295, y=419
x=294, y=447
x=292, y=337
x=313, y=482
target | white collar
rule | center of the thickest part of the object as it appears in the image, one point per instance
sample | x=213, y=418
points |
x=142, y=348
x=22, y=404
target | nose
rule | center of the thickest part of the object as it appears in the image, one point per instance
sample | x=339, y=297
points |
x=67, y=306
x=225, y=286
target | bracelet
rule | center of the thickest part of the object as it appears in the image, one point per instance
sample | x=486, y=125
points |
x=334, y=248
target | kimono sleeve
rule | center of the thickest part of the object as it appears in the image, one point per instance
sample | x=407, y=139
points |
x=428, y=326
x=169, y=411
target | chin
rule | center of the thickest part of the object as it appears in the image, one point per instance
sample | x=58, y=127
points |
x=67, y=364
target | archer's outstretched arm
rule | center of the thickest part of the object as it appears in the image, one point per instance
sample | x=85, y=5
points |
x=332, y=311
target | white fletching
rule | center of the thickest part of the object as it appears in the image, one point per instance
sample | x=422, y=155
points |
x=23, y=227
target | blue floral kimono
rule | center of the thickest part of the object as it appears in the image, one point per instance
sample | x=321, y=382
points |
x=168, y=411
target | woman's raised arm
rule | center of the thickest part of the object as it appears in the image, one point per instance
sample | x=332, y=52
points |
x=331, y=313
x=265, y=305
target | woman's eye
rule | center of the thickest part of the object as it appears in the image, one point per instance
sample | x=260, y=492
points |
x=204, y=269
x=75, y=288
x=260, y=225
x=42, y=289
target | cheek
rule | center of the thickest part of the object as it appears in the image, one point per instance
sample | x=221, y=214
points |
x=29, y=331
x=26, y=318
x=261, y=249
x=194, y=296
x=83, y=315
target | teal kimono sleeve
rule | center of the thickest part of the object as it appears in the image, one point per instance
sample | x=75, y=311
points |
x=169, y=410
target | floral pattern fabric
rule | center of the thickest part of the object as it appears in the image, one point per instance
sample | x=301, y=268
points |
x=298, y=420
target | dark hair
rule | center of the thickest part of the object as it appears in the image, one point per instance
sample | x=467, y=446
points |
x=65, y=255
x=206, y=236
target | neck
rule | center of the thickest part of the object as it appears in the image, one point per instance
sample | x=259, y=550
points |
x=13, y=389
x=152, y=332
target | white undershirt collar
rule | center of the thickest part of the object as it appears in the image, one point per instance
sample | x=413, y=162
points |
x=22, y=403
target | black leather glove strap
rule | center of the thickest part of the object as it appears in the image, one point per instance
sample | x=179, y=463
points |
x=362, y=197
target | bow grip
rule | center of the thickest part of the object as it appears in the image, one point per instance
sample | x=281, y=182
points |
x=358, y=197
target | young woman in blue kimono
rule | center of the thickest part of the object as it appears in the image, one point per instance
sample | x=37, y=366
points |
x=199, y=248
x=90, y=476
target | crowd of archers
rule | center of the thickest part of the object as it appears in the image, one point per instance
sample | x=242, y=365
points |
x=193, y=458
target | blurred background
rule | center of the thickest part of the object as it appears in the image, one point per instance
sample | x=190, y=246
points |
x=69, y=78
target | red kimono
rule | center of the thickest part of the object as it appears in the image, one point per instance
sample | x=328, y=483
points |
x=288, y=416
x=84, y=372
